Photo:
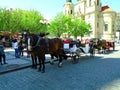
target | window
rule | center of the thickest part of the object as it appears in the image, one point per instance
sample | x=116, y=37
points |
x=97, y=2
x=71, y=11
x=90, y=3
x=106, y=27
x=97, y=25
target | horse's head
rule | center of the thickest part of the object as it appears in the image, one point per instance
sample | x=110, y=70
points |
x=25, y=35
x=33, y=41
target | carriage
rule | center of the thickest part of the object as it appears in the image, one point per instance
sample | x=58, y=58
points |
x=75, y=49
x=71, y=50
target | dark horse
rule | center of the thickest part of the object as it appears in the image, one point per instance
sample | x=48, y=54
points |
x=39, y=46
x=99, y=44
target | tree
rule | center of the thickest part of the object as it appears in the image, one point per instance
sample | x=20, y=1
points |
x=60, y=25
x=80, y=28
x=30, y=20
x=18, y=20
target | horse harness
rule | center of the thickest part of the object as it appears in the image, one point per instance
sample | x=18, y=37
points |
x=39, y=42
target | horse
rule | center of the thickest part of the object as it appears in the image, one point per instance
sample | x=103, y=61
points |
x=99, y=44
x=34, y=57
x=39, y=46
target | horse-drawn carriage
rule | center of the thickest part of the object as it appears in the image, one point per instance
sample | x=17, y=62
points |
x=75, y=49
x=71, y=50
x=102, y=45
x=38, y=46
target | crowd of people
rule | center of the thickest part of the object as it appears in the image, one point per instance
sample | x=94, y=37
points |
x=17, y=45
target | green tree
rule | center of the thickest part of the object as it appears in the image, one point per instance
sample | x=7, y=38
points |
x=30, y=20
x=17, y=20
x=80, y=28
x=4, y=19
x=60, y=25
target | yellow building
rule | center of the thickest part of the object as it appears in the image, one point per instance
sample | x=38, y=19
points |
x=101, y=18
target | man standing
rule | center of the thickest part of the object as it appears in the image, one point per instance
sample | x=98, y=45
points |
x=2, y=53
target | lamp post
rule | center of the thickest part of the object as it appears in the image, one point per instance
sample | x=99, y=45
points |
x=44, y=23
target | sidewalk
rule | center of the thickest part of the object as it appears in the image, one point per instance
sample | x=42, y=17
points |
x=14, y=63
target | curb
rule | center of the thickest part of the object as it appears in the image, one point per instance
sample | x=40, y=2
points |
x=20, y=68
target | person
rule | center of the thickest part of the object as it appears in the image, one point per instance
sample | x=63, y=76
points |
x=3, y=40
x=15, y=46
x=20, y=47
x=2, y=53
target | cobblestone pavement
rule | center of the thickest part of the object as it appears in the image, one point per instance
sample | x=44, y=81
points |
x=99, y=73
x=13, y=63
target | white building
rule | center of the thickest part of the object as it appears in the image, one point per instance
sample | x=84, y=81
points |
x=101, y=18
x=118, y=26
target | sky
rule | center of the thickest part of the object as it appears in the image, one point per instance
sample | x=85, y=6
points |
x=50, y=8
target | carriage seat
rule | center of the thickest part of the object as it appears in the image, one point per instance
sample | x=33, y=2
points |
x=85, y=49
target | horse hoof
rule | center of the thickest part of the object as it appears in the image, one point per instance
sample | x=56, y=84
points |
x=35, y=67
x=32, y=67
x=59, y=66
x=39, y=70
x=43, y=71
x=51, y=63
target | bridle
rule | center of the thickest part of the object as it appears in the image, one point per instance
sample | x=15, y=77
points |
x=34, y=44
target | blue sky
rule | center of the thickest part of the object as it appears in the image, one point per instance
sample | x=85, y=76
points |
x=49, y=8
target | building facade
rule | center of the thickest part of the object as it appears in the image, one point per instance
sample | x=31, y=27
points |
x=118, y=26
x=101, y=18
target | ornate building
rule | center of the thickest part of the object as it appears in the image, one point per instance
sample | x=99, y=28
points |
x=101, y=18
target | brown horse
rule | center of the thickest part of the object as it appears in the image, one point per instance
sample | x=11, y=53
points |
x=39, y=46
x=99, y=44
x=33, y=55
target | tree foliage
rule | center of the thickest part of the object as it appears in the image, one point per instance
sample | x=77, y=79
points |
x=80, y=28
x=17, y=20
x=68, y=26
x=63, y=25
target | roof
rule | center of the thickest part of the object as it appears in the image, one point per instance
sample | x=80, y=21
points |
x=106, y=8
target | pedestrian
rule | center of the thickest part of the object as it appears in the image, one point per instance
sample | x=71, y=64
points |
x=20, y=46
x=15, y=46
x=2, y=54
x=3, y=40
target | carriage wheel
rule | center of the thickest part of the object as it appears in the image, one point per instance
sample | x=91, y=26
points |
x=93, y=53
x=74, y=59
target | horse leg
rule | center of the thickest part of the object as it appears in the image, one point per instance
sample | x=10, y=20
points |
x=52, y=59
x=43, y=65
x=60, y=61
x=39, y=59
x=33, y=64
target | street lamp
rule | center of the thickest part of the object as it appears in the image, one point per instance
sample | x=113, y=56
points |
x=44, y=23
